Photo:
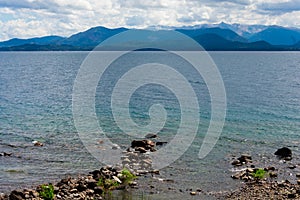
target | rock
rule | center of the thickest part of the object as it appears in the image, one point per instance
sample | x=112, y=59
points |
x=236, y=163
x=198, y=190
x=292, y=166
x=143, y=145
x=141, y=149
x=298, y=181
x=151, y=135
x=288, y=158
x=193, y=193
x=160, y=143
x=270, y=168
x=5, y=154
x=155, y=171
x=115, y=147
x=16, y=195
x=250, y=170
x=98, y=190
x=117, y=179
x=298, y=175
x=292, y=196
x=37, y=143
x=243, y=159
x=284, y=152
x=273, y=174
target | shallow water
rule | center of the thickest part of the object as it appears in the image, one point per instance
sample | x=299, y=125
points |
x=263, y=106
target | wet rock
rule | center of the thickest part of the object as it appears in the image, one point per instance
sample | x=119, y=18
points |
x=273, y=174
x=243, y=159
x=142, y=145
x=155, y=171
x=141, y=149
x=151, y=135
x=37, y=143
x=98, y=190
x=5, y=154
x=236, y=163
x=158, y=143
x=292, y=196
x=270, y=168
x=292, y=166
x=284, y=152
x=16, y=195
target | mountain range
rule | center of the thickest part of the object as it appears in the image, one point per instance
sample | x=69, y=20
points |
x=214, y=37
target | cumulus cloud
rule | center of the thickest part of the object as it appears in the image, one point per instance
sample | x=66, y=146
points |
x=280, y=7
x=29, y=18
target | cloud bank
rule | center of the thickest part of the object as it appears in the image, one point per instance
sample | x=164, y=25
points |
x=30, y=18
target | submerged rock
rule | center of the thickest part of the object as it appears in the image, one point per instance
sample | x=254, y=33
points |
x=151, y=135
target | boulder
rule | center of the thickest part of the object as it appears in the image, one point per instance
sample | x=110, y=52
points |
x=283, y=152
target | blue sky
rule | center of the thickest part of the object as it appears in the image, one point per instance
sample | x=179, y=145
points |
x=30, y=18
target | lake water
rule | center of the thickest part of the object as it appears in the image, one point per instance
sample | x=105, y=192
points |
x=263, y=114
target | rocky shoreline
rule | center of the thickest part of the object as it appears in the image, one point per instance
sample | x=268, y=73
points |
x=257, y=181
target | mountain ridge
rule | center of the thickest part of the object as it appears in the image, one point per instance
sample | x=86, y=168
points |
x=211, y=36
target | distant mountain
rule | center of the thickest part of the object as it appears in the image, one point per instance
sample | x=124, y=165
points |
x=235, y=37
x=224, y=33
x=38, y=41
x=48, y=47
x=276, y=35
x=243, y=30
x=217, y=43
x=91, y=37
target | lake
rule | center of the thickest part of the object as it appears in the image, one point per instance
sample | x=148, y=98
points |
x=263, y=106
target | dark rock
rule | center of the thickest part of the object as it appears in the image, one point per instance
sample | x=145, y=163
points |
x=284, y=152
x=91, y=184
x=145, y=144
x=141, y=149
x=292, y=196
x=151, y=135
x=236, y=163
x=81, y=187
x=155, y=171
x=292, y=166
x=5, y=154
x=161, y=143
x=37, y=144
x=270, y=168
x=273, y=174
x=98, y=190
x=16, y=195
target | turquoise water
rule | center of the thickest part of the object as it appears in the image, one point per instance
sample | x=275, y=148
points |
x=263, y=106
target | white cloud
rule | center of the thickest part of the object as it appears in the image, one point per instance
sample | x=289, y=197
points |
x=29, y=18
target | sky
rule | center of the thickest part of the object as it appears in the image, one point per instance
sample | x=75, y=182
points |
x=33, y=18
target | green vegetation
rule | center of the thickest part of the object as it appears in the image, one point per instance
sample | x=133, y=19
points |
x=47, y=192
x=127, y=176
x=259, y=174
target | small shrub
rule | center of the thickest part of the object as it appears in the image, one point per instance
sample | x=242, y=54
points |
x=107, y=184
x=127, y=176
x=259, y=174
x=47, y=192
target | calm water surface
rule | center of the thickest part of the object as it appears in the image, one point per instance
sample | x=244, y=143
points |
x=263, y=96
